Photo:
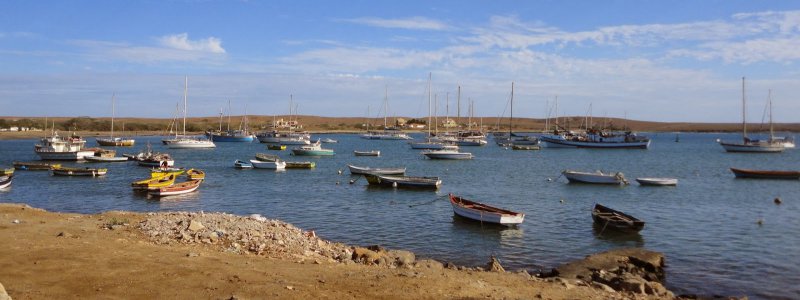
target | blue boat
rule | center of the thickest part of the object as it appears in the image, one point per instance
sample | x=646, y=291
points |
x=314, y=149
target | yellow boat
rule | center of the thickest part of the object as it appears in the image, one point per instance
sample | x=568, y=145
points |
x=9, y=171
x=161, y=172
x=155, y=182
x=196, y=174
x=276, y=147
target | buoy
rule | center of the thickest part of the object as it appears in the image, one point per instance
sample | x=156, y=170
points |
x=562, y=200
x=549, y=179
x=352, y=181
x=337, y=183
x=777, y=200
x=760, y=222
x=340, y=171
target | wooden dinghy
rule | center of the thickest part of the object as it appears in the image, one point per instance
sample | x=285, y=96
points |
x=267, y=157
x=483, y=212
x=367, y=153
x=154, y=183
x=403, y=181
x=63, y=171
x=765, y=174
x=657, y=181
x=34, y=166
x=165, y=171
x=616, y=220
x=274, y=165
x=176, y=189
x=195, y=174
x=382, y=171
x=5, y=181
x=300, y=164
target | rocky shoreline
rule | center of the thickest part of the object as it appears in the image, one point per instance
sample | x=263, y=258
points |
x=618, y=274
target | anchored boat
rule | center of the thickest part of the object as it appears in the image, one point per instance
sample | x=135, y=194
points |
x=616, y=220
x=483, y=212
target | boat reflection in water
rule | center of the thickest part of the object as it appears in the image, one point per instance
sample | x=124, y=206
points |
x=618, y=238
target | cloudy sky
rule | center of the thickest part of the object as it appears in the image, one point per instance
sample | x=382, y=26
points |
x=649, y=60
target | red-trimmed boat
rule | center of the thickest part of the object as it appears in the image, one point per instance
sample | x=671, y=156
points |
x=177, y=189
x=484, y=213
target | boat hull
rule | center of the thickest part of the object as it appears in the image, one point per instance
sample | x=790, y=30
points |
x=657, y=181
x=231, y=139
x=766, y=174
x=303, y=152
x=381, y=171
x=105, y=159
x=150, y=163
x=73, y=155
x=34, y=166
x=177, y=189
x=427, y=145
x=561, y=143
x=615, y=220
x=5, y=181
x=484, y=213
x=78, y=172
x=274, y=165
x=191, y=144
x=753, y=148
x=404, y=181
x=116, y=142
x=594, y=178
x=367, y=153
x=448, y=155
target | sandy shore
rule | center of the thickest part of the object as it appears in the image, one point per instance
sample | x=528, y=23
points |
x=47, y=255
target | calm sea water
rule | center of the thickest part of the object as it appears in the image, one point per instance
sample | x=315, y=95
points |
x=706, y=225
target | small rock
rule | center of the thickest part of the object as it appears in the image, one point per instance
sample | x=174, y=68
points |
x=778, y=200
x=64, y=234
x=289, y=287
x=655, y=288
x=195, y=225
x=192, y=254
x=15, y=221
x=403, y=257
x=431, y=264
x=601, y=286
x=117, y=227
x=494, y=265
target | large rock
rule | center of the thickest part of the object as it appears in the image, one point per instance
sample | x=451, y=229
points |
x=402, y=257
x=367, y=256
x=615, y=261
x=430, y=264
x=494, y=265
x=3, y=294
x=629, y=283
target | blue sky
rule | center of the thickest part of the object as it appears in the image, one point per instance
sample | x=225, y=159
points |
x=649, y=60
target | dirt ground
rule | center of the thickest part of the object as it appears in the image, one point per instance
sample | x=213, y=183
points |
x=47, y=255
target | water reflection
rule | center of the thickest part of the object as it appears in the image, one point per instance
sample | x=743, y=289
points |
x=619, y=238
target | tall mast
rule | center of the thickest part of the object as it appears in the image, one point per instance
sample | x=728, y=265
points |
x=771, y=132
x=469, y=126
x=220, y=119
x=744, y=123
x=511, y=115
x=185, y=94
x=385, y=104
x=112, y=115
x=458, y=109
x=447, y=111
x=429, y=105
x=229, y=115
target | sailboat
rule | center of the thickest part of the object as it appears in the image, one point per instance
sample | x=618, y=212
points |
x=241, y=135
x=754, y=146
x=185, y=142
x=288, y=137
x=510, y=139
x=430, y=143
x=388, y=133
x=112, y=141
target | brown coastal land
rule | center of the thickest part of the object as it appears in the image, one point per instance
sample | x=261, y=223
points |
x=89, y=126
x=183, y=255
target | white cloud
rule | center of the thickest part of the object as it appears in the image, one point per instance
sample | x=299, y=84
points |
x=181, y=41
x=413, y=23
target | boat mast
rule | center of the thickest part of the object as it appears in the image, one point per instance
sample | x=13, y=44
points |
x=220, y=119
x=112, y=115
x=185, y=92
x=744, y=123
x=385, y=104
x=511, y=114
x=429, y=105
x=771, y=132
x=229, y=115
x=458, y=109
x=447, y=112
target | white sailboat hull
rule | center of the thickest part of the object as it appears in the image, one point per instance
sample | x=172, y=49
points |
x=595, y=178
x=753, y=148
x=56, y=155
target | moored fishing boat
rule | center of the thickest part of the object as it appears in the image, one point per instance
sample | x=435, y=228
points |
x=657, y=181
x=64, y=171
x=5, y=181
x=267, y=157
x=276, y=147
x=34, y=166
x=448, y=152
x=104, y=155
x=367, y=153
x=596, y=139
x=196, y=174
x=314, y=149
x=765, y=174
x=484, y=213
x=525, y=147
x=165, y=171
x=274, y=165
x=240, y=164
x=60, y=148
x=382, y=171
x=598, y=177
x=300, y=164
x=403, y=181
x=616, y=220
x=176, y=189
x=155, y=182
